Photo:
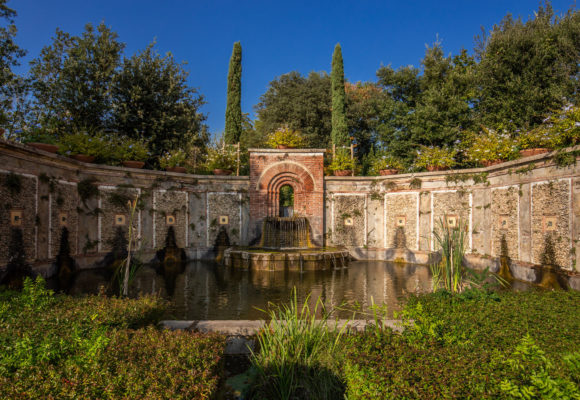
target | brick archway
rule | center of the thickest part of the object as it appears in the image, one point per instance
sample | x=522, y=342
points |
x=301, y=169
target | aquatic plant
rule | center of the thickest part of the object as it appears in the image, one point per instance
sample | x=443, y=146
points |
x=296, y=354
x=453, y=243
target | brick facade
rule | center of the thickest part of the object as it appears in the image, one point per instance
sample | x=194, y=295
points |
x=303, y=169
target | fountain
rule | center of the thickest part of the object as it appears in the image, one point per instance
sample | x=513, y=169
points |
x=285, y=245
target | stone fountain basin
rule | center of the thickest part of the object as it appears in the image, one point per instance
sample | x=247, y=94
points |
x=310, y=259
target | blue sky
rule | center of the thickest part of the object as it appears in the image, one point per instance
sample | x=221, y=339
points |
x=277, y=37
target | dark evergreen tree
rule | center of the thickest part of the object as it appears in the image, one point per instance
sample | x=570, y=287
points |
x=339, y=128
x=234, y=102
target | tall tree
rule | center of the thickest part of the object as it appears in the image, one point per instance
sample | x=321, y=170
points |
x=234, y=102
x=72, y=77
x=527, y=69
x=152, y=101
x=339, y=128
x=303, y=103
x=11, y=86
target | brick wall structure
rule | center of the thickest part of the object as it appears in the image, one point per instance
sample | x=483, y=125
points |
x=303, y=169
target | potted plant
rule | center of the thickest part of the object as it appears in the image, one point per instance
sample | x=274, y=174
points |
x=221, y=158
x=536, y=141
x=435, y=158
x=132, y=153
x=84, y=146
x=488, y=147
x=285, y=138
x=42, y=141
x=342, y=164
x=172, y=161
x=385, y=164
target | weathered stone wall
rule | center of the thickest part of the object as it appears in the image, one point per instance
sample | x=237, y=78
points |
x=526, y=200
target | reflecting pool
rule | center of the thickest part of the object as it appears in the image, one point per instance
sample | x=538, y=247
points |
x=206, y=290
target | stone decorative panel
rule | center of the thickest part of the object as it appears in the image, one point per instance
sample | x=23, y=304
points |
x=551, y=218
x=63, y=205
x=455, y=203
x=344, y=207
x=113, y=205
x=402, y=213
x=505, y=220
x=223, y=212
x=18, y=193
x=167, y=204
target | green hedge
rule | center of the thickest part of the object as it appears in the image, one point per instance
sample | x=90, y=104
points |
x=473, y=346
x=56, y=346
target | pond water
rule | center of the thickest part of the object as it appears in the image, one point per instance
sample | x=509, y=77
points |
x=207, y=290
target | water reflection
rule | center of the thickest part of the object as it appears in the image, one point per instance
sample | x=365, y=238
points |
x=206, y=290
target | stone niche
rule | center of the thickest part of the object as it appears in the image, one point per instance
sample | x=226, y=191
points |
x=303, y=170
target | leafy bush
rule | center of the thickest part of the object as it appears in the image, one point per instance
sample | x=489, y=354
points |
x=221, y=156
x=342, y=161
x=457, y=346
x=127, y=149
x=560, y=129
x=435, y=157
x=90, y=143
x=490, y=145
x=285, y=136
x=55, y=346
x=173, y=158
x=382, y=160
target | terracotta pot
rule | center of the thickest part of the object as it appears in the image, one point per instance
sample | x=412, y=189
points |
x=533, y=152
x=51, y=148
x=133, y=164
x=433, y=168
x=83, y=158
x=489, y=163
x=384, y=172
x=342, y=172
x=176, y=169
x=284, y=146
x=219, y=171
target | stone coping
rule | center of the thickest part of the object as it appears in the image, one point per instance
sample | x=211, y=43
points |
x=294, y=151
x=251, y=327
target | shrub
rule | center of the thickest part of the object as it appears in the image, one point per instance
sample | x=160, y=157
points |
x=285, y=136
x=221, y=156
x=56, y=346
x=173, y=158
x=90, y=143
x=435, y=157
x=127, y=149
x=490, y=145
x=341, y=161
x=382, y=160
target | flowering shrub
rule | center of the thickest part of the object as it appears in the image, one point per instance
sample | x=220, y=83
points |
x=221, y=156
x=560, y=129
x=131, y=150
x=490, y=145
x=173, y=158
x=285, y=136
x=435, y=157
x=342, y=161
x=381, y=161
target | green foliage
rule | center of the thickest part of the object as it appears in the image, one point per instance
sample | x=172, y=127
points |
x=72, y=77
x=456, y=346
x=339, y=134
x=87, y=189
x=172, y=158
x=527, y=68
x=435, y=157
x=296, y=357
x=342, y=161
x=90, y=143
x=380, y=159
x=533, y=378
x=127, y=149
x=57, y=346
x=285, y=136
x=490, y=145
x=286, y=196
x=234, y=101
x=154, y=104
x=220, y=156
x=453, y=244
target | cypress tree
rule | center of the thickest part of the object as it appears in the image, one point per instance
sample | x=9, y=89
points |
x=339, y=128
x=234, y=104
